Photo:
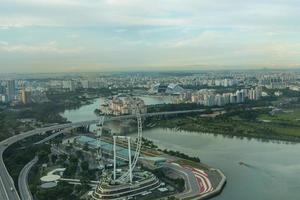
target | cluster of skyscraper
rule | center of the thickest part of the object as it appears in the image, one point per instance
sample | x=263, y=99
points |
x=209, y=97
x=9, y=92
x=220, y=82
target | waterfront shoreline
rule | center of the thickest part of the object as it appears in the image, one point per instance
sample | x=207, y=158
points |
x=230, y=127
x=260, y=139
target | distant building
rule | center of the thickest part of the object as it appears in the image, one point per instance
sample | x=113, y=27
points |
x=245, y=93
x=86, y=84
x=251, y=94
x=195, y=98
x=186, y=96
x=209, y=100
x=159, y=88
x=2, y=89
x=168, y=89
x=25, y=96
x=233, y=98
x=239, y=96
x=219, y=100
x=38, y=97
x=152, y=163
x=226, y=83
x=69, y=84
x=254, y=93
x=226, y=97
x=123, y=106
x=174, y=89
x=258, y=93
x=11, y=90
x=3, y=98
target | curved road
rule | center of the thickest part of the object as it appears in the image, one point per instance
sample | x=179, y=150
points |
x=23, y=180
x=7, y=187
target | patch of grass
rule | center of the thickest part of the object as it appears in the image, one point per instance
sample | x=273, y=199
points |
x=287, y=130
x=283, y=126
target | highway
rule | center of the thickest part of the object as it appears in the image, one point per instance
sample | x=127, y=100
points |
x=23, y=180
x=52, y=136
x=7, y=187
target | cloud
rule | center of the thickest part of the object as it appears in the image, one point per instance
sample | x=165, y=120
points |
x=126, y=33
x=204, y=39
x=50, y=47
x=73, y=36
x=213, y=13
x=3, y=43
x=46, y=2
x=24, y=21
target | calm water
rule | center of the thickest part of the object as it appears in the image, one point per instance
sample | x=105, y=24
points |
x=87, y=112
x=273, y=172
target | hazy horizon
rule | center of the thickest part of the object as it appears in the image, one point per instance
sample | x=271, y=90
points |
x=48, y=36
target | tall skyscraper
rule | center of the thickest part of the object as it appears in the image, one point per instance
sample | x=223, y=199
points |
x=25, y=96
x=11, y=90
x=232, y=98
x=258, y=93
x=239, y=96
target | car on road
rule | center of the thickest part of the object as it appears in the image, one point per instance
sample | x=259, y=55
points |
x=11, y=189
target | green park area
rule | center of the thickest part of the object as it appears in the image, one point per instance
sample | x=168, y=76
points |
x=286, y=115
x=282, y=125
x=285, y=122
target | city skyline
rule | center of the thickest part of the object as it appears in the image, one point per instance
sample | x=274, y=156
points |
x=129, y=35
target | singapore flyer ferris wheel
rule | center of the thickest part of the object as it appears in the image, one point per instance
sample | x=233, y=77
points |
x=127, y=176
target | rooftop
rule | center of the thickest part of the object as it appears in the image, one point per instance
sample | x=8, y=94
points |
x=95, y=144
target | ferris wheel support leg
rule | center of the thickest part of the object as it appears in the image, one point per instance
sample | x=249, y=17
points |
x=99, y=134
x=115, y=157
x=126, y=176
x=129, y=158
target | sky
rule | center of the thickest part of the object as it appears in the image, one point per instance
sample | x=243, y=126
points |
x=144, y=35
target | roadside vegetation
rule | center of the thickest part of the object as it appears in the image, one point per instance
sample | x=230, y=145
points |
x=181, y=155
x=44, y=113
x=19, y=154
x=76, y=168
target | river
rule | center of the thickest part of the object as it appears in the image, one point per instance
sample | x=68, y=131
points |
x=86, y=112
x=271, y=173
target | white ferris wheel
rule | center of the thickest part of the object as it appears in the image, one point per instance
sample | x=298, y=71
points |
x=127, y=176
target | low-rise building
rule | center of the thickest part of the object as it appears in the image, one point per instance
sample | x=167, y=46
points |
x=123, y=106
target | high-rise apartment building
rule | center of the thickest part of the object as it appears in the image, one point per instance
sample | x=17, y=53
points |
x=25, y=96
x=11, y=90
x=239, y=96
